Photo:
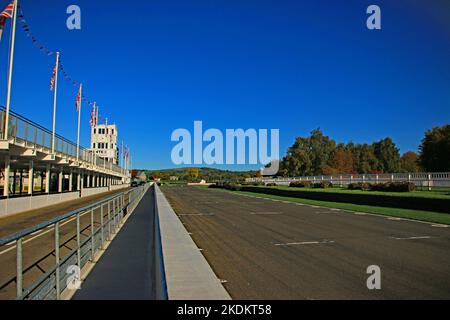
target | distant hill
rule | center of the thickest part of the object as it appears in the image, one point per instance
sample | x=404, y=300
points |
x=197, y=174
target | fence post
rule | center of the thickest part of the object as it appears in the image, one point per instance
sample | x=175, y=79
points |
x=92, y=235
x=101, y=226
x=109, y=219
x=19, y=267
x=78, y=242
x=58, y=289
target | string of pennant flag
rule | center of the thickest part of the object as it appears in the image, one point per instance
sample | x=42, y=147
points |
x=11, y=12
x=49, y=52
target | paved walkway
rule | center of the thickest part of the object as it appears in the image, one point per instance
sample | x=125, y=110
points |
x=126, y=269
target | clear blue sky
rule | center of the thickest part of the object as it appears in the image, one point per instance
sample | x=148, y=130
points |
x=157, y=65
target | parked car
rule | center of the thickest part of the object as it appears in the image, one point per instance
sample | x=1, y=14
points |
x=134, y=184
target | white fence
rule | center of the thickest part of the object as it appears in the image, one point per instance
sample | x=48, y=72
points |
x=428, y=180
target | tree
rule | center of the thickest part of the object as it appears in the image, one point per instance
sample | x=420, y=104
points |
x=364, y=157
x=388, y=155
x=435, y=149
x=308, y=156
x=341, y=161
x=410, y=162
x=192, y=173
x=321, y=148
x=298, y=161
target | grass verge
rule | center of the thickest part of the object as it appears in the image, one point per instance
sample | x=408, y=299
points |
x=428, y=216
x=436, y=194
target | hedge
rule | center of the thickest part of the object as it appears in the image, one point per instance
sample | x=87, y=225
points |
x=391, y=201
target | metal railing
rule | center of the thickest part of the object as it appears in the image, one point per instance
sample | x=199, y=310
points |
x=54, y=281
x=31, y=135
x=428, y=180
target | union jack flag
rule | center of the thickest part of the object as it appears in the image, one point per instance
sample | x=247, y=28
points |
x=78, y=102
x=92, y=121
x=52, y=80
x=6, y=14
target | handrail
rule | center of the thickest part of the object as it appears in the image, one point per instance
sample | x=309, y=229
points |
x=28, y=231
x=2, y=108
x=41, y=137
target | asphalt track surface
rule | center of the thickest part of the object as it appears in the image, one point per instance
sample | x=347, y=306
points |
x=127, y=268
x=267, y=249
x=38, y=248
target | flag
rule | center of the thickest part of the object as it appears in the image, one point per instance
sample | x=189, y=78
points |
x=52, y=80
x=6, y=14
x=78, y=102
x=92, y=121
x=96, y=117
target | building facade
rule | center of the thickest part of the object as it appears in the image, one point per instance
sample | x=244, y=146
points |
x=104, y=142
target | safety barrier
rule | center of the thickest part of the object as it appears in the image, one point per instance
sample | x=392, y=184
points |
x=56, y=279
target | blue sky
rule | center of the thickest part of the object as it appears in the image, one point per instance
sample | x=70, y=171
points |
x=156, y=66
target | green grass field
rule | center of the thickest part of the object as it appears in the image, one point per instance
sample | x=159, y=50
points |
x=429, y=216
x=434, y=194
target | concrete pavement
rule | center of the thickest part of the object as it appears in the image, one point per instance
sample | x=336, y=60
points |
x=127, y=268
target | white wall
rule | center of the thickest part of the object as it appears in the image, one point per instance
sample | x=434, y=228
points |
x=13, y=206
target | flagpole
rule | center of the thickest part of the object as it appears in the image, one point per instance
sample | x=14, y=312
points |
x=10, y=72
x=79, y=118
x=55, y=91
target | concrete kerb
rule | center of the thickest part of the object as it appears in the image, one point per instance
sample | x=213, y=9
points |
x=188, y=275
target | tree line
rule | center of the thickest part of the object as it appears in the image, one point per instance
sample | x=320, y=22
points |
x=318, y=154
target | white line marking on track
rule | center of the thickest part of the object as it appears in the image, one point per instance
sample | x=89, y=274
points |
x=440, y=225
x=197, y=214
x=265, y=213
x=335, y=209
x=394, y=219
x=369, y=214
x=412, y=238
x=303, y=243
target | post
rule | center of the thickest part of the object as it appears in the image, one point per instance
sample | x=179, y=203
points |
x=109, y=219
x=79, y=118
x=78, y=180
x=78, y=242
x=7, y=171
x=92, y=235
x=71, y=181
x=60, y=180
x=10, y=71
x=19, y=267
x=31, y=178
x=57, y=271
x=55, y=92
x=101, y=226
x=47, y=179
